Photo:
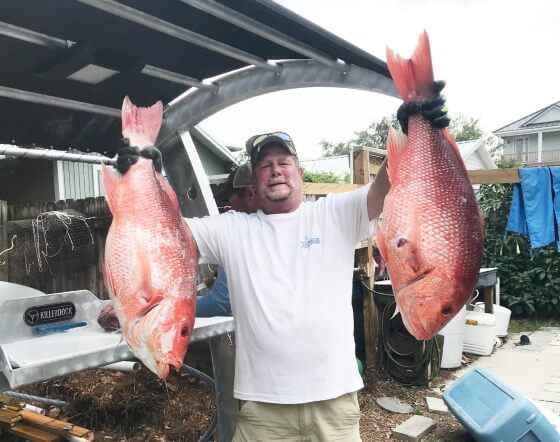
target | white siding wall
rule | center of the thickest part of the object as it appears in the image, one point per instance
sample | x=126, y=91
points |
x=474, y=162
x=78, y=180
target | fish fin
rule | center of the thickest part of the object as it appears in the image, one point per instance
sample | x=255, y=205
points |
x=449, y=139
x=141, y=124
x=380, y=241
x=106, y=271
x=111, y=181
x=397, y=311
x=413, y=77
x=168, y=190
x=396, y=144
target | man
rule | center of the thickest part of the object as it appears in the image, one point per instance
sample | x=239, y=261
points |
x=290, y=268
x=238, y=191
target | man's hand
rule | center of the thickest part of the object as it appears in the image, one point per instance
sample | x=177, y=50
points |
x=433, y=109
x=128, y=155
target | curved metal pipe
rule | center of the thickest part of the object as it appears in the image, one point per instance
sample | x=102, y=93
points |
x=194, y=106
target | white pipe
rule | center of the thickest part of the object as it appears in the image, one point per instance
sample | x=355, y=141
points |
x=71, y=438
x=128, y=366
x=35, y=409
x=52, y=154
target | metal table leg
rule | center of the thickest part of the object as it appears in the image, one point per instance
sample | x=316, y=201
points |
x=222, y=350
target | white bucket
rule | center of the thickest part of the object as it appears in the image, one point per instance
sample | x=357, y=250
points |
x=454, y=333
x=503, y=315
x=480, y=333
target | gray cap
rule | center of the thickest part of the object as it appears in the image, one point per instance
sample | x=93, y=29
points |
x=256, y=143
x=239, y=178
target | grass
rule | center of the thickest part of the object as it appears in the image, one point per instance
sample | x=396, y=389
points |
x=531, y=325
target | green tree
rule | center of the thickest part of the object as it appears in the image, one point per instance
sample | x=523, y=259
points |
x=464, y=128
x=375, y=135
x=324, y=177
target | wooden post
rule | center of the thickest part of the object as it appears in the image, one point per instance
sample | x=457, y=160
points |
x=4, y=256
x=364, y=258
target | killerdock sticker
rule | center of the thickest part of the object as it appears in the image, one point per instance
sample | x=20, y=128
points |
x=49, y=313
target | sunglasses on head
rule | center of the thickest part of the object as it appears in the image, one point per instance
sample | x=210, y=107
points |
x=256, y=143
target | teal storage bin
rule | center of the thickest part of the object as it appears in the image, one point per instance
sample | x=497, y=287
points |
x=494, y=412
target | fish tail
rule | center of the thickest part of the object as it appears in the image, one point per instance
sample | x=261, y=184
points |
x=141, y=124
x=414, y=76
x=111, y=180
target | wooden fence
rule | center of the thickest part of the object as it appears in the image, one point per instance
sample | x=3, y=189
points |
x=20, y=265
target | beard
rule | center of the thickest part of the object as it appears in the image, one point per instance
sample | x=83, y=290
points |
x=278, y=190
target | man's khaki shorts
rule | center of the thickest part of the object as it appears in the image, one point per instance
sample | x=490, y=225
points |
x=331, y=420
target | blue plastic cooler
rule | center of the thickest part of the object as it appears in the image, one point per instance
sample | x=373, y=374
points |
x=494, y=412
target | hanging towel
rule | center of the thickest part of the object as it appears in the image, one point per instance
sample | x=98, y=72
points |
x=532, y=208
x=555, y=172
x=517, y=221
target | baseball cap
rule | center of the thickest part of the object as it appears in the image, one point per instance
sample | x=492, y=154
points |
x=239, y=178
x=256, y=143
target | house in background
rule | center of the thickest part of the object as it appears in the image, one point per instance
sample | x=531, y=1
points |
x=27, y=181
x=534, y=138
x=475, y=155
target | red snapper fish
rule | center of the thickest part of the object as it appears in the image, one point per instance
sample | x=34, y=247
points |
x=150, y=263
x=431, y=232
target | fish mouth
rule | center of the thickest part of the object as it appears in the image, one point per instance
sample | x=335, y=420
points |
x=418, y=278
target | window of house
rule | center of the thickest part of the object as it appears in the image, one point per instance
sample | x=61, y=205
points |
x=521, y=148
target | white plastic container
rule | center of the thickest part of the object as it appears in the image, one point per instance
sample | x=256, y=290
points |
x=480, y=333
x=503, y=315
x=454, y=333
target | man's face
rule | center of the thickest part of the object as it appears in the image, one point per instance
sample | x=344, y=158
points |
x=278, y=180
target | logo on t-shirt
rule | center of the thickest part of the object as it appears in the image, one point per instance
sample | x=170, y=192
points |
x=308, y=242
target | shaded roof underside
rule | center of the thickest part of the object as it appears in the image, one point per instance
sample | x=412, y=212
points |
x=99, y=38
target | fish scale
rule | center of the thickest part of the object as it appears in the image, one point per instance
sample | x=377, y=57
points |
x=150, y=261
x=431, y=235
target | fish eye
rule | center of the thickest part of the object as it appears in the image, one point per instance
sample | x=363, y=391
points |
x=184, y=331
x=446, y=311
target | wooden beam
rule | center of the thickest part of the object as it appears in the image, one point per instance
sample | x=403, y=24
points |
x=32, y=434
x=322, y=189
x=491, y=176
x=494, y=176
x=543, y=164
x=53, y=426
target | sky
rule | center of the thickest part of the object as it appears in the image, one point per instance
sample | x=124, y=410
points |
x=499, y=59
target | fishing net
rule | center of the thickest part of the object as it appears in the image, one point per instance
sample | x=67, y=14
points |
x=57, y=242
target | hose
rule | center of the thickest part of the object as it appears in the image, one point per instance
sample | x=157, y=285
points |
x=395, y=361
x=208, y=380
x=30, y=398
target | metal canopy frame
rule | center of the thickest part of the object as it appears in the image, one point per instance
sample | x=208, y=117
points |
x=231, y=36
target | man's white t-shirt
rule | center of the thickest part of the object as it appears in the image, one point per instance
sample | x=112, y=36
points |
x=290, y=283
